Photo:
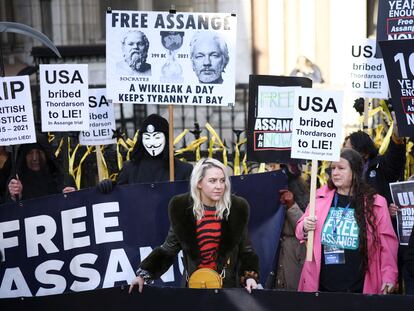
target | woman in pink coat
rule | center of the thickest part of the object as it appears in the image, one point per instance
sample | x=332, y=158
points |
x=355, y=247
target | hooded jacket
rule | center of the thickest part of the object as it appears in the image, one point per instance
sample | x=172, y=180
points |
x=144, y=168
x=235, y=250
x=47, y=181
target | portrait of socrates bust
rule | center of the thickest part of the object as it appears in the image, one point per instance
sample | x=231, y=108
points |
x=135, y=47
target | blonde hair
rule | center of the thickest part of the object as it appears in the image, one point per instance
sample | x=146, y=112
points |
x=199, y=172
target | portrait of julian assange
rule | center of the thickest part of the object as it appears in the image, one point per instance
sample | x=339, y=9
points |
x=209, y=56
x=135, y=47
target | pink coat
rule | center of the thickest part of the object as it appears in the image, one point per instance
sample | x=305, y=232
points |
x=382, y=260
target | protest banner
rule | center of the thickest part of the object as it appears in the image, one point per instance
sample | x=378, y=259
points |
x=64, y=97
x=395, y=21
x=269, y=128
x=176, y=299
x=101, y=120
x=398, y=57
x=85, y=240
x=367, y=76
x=403, y=196
x=316, y=135
x=170, y=58
x=16, y=112
x=317, y=124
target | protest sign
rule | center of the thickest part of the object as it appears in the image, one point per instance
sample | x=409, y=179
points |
x=316, y=135
x=398, y=57
x=101, y=120
x=395, y=21
x=16, y=112
x=87, y=240
x=367, y=76
x=317, y=124
x=403, y=196
x=166, y=58
x=64, y=97
x=270, y=117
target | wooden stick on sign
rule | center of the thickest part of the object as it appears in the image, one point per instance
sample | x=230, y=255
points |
x=309, y=245
x=366, y=114
x=99, y=163
x=171, y=140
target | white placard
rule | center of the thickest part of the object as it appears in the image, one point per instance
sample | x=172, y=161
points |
x=366, y=76
x=149, y=58
x=16, y=112
x=317, y=124
x=101, y=120
x=64, y=97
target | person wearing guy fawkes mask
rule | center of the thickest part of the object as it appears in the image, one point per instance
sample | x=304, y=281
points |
x=150, y=158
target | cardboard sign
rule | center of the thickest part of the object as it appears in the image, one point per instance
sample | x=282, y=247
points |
x=317, y=124
x=403, y=195
x=16, y=112
x=399, y=63
x=163, y=58
x=269, y=133
x=64, y=97
x=101, y=120
x=367, y=76
x=395, y=21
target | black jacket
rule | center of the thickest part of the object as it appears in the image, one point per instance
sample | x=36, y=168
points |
x=385, y=169
x=48, y=181
x=234, y=243
x=150, y=170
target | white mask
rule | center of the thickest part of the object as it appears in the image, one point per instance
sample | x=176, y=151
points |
x=154, y=142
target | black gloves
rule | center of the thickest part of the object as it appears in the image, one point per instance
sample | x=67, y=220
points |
x=106, y=186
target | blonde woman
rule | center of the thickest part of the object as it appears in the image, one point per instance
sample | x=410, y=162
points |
x=210, y=226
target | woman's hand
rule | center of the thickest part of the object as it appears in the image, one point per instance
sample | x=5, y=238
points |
x=250, y=284
x=137, y=281
x=286, y=198
x=309, y=224
x=393, y=209
x=387, y=288
x=68, y=189
x=15, y=188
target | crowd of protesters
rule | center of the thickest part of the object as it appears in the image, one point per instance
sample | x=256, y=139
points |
x=355, y=247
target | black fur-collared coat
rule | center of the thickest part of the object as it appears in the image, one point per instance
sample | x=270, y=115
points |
x=235, y=250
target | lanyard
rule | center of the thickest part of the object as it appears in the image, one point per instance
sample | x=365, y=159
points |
x=344, y=212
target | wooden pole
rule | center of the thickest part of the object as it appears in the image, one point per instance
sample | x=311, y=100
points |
x=366, y=114
x=99, y=163
x=171, y=140
x=309, y=245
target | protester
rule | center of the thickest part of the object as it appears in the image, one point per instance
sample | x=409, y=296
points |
x=210, y=56
x=291, y=251
x=354, y=247
x=5, y=169
x=210, y=226
x=135, y=47
x=149, y=158
x=305, y=68
x=379, y=171
x=38, y=173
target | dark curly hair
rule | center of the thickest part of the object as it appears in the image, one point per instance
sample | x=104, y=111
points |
x=362, y=143
x=362, y=199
